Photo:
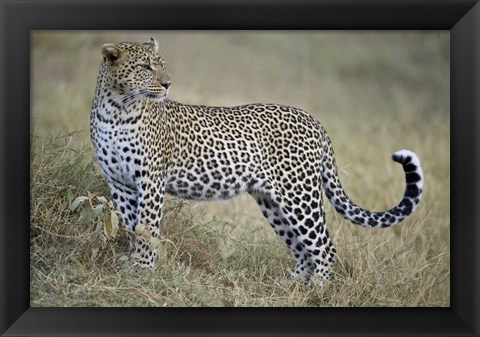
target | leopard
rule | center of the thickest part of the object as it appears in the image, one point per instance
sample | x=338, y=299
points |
x=148, y=146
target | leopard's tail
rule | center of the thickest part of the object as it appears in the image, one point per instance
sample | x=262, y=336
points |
x=359, y=216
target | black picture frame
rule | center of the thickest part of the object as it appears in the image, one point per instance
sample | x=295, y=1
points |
x=18, y=18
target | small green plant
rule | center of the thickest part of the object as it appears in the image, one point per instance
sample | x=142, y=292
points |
x=97, y=209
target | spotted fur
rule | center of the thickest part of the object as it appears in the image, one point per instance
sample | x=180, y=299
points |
x=148, y=145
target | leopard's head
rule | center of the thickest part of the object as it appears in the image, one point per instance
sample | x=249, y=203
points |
x=134, y=71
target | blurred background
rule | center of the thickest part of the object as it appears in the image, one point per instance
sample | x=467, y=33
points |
x=374, y=92
x=330, y=74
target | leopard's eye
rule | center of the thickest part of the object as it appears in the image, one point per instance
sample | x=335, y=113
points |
x=145, y=66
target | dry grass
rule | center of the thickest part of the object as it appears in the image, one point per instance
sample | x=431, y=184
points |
x=375, y=93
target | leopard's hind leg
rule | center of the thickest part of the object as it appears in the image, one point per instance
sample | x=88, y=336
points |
x=301, y=213
x=272, y=210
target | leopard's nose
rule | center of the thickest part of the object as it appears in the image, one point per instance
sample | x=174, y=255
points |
x=166, y=84
x=165, y=80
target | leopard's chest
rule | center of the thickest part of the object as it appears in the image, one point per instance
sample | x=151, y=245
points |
x=119, y=151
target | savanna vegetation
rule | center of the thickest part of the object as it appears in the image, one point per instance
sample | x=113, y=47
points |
x=375, y=93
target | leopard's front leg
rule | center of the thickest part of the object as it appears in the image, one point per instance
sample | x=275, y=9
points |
x=145, y=233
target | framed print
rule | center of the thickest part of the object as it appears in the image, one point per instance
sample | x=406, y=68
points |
x=378, y=76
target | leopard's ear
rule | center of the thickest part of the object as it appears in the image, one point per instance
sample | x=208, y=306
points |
x=152, y=43
x=111, y=54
